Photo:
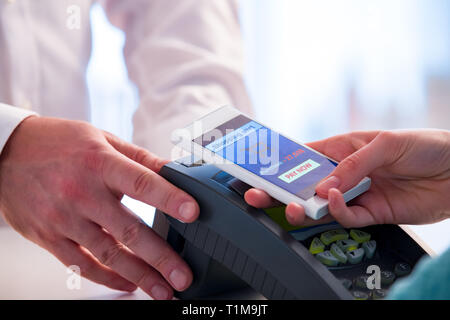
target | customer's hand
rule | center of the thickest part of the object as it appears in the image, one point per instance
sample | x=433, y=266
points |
x=61, y=183
x=410, y=172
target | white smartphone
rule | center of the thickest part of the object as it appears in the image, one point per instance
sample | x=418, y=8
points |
x=259, y=156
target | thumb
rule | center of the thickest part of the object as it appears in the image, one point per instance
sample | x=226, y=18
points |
x=355, y=167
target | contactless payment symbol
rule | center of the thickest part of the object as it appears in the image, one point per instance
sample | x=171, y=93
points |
x=299, y=171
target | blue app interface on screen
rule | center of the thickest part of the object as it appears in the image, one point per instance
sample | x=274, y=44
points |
x=269, y=155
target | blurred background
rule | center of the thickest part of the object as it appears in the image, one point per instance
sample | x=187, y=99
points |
x=315, y=69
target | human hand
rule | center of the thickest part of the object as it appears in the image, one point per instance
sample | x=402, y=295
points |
x=410, y=172
x=61, y=183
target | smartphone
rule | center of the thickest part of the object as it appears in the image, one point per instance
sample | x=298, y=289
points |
x=261, y=157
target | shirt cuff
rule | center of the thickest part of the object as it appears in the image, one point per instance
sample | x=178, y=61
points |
x=10, y=118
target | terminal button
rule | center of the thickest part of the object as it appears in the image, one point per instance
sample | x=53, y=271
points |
x=402, y=269
x=327, y=258
x=387, y=277
x=355, y=256
x=369, y=248
x=338, y=253
x=360, y=295
x=361, y=282
x=359, y=236
x=347, y=245
x=333, y=236
x=379, y=294
x=316, y=246
x=346, y=283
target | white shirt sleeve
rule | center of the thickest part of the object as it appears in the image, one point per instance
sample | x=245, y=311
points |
x=186, y=57
x=10, y=118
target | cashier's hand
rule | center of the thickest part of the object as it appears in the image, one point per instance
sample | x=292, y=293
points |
x=410, y=172
x=61, y=183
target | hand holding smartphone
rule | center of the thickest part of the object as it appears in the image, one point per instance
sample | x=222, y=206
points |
x=261, y=157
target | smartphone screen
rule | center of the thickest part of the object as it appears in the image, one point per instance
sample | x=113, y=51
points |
x=270, y=155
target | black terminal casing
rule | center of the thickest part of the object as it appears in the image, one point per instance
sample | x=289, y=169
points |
x=233, y=245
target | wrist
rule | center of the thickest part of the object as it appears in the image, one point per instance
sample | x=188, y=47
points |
x=10, y=146
x=13, y=137
x=10, y=118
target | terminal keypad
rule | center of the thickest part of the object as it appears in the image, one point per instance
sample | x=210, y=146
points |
x=350, y=252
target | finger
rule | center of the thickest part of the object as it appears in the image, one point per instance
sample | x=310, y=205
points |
x=354, y=168
x=354, y=216
x=70, y=253
x=129, y=230
x=136, y=153
x=260, y=199
x=341, y=146
x=123, y=175
x=117, y=257
x=295, y=215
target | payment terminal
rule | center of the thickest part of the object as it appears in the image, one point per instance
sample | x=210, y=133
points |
x=233, y=246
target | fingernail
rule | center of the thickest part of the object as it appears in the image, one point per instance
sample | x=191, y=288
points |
x=187, y=210
x=159, y=292
x=179, y=279
x=290, y=217
x=331, y=182
x=332, y=200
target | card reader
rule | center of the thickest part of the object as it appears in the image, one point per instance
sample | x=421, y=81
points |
x=234, y=246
